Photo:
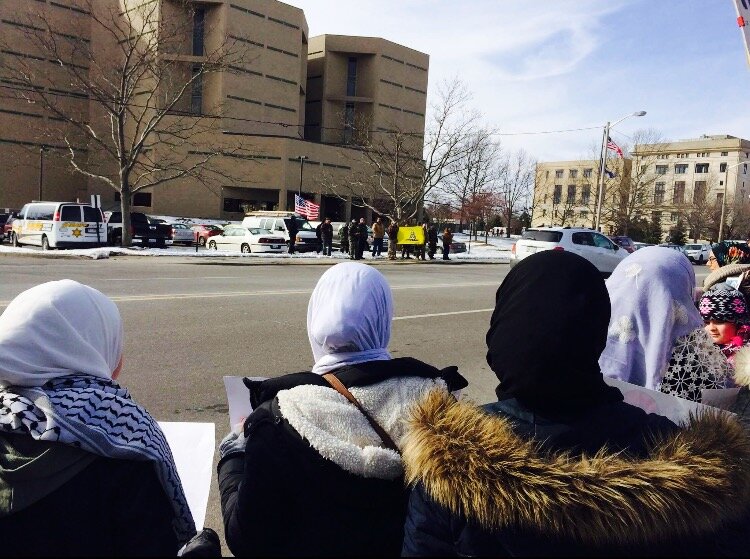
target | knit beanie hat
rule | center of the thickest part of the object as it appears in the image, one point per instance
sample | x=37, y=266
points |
x=724, y=303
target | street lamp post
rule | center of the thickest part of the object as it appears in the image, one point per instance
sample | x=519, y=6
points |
x=42, y=149
x=301, y=168
x=602, y=163
x=724, y=199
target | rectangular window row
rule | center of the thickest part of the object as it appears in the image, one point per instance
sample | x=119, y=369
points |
x=259, y=74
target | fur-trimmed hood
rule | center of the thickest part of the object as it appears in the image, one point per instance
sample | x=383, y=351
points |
x=474, y=464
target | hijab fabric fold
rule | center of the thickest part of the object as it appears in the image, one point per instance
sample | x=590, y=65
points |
x=59, y=345
x=651, y=292
x=349, y=317
x=546, y=333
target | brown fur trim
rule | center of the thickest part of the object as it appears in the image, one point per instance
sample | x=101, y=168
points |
x=742, y=367
x=474, y=464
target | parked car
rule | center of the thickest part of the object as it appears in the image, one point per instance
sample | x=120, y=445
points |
x=6, y=225
x=59, y=225
x=247, y=240
x=457, y=246
x=591, y=245
x=143, y=230
x=697, y=253
x=279, y=223
x=182, y=234
x=638, y=245
x=624, y=242
x=204, y=232
x=678, y=248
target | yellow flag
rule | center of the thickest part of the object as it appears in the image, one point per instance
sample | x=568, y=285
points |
x=410, y=236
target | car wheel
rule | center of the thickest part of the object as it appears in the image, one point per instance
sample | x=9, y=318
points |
x=700, y=259
x=211, y=244
x=202, y=241
x=45, y=242
x=245, y=248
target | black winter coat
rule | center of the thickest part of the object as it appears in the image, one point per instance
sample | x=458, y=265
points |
x=281, y=497
x=109, y=508
x=492, y=482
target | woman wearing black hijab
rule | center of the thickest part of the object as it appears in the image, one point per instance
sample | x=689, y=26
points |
x=560, y=465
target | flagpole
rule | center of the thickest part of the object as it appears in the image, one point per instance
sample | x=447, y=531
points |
x=600, y=191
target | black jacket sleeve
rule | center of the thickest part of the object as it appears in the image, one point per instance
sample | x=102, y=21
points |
x=427, y=530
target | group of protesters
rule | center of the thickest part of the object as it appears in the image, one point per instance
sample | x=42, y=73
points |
x=370, y=454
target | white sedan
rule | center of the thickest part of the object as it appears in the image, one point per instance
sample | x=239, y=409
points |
x=247, y=240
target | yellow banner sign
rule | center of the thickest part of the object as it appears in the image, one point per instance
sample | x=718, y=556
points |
x=410, y=236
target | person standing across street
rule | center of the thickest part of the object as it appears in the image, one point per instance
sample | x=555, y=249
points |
x=378, y=232
x=432, y=239
x=392, y=237
x=320, y=238
x=447, y=239
x=421, y=247
x=361, y=238
x=353, y=239
x=326, y=234
x=293, y=230
x=344, y=237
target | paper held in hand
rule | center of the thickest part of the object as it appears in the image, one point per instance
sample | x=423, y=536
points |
x=672, y=407
x=238, y=398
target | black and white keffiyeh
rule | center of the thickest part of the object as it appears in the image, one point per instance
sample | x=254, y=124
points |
x=98, y=416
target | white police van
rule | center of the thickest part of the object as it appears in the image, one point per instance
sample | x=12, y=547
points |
x=59, y=225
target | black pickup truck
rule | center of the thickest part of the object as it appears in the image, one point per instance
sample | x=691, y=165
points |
x=143, y=230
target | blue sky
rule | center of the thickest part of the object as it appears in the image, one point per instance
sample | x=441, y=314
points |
x=548, y=65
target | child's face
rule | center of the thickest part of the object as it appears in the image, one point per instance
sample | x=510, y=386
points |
x=721, y=332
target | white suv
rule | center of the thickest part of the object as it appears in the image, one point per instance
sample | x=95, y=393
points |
x=593, y=246
x=697, y=253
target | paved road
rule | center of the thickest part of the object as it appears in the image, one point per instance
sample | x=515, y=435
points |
x=188, y=322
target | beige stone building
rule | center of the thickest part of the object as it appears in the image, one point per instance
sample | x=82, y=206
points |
x=289, y=109
x=674, y=179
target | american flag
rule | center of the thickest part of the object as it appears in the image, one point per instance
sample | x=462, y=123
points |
x=614, y=147
x=306, y=208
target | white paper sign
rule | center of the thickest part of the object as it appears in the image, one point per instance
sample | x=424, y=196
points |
x=192, y=446
x=651, y=401
x=238, y=398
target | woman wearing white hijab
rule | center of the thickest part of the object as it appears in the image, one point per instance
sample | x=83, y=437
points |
x=311, y=474
x=84, y=470
x=656, y=337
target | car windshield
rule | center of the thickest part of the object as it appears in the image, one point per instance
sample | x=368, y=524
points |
x=693, y=247
x=256, y=231
x=545, y=236
x=303, y=224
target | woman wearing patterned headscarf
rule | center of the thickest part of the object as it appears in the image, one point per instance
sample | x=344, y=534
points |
x=656, y=337
x=84, y=470
x=311, y=474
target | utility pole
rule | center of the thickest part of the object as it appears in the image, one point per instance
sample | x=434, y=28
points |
x=42, y=149
x=301, y=168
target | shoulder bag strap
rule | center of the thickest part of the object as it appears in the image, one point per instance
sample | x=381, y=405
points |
x=341, y=389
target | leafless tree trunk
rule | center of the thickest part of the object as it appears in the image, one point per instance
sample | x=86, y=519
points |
x=142, y=84
x=515, y=185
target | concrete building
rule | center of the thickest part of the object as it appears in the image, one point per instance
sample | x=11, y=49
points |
x=289, y=109
x=672, y=179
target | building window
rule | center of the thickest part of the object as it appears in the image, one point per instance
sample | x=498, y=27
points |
x=744, y=168
x=348, y=123
x=587, y=173
x=142, y=199
x=351, y=77
x=586, y=194
x=699, y=192
x=544, y=212
x=546, y=174
x=682, y=155
x=701, y=167
x=702, y=154
x=644, y=168
x=557, y=196
x=680, y=168
x=573, y=173
x=655, y=215
x=559, y=174
x=583, y=214
x=199, y=25
x=662, y=156
x=679, y=193
x=661, y=169
x=571, y=199
x=674, y=216
x=196, y=94
x=724, y=153
x=719, y=197
x=722, y=167
x=659, y=193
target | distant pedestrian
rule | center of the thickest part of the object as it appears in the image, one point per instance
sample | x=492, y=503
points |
x=432, y=240
x=320, y=238
x=378, y=232
x=447, y=240
x=344, y=237
x=291, y=225
x=361, y=238
x=405, y=249
x=326, y=234
x=420, y=249
x=353, y=239
x=392, y=237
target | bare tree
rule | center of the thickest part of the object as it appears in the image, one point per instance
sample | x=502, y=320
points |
x=701, y=213
x=143, y=85
x=515, y=185
x=395, y=170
